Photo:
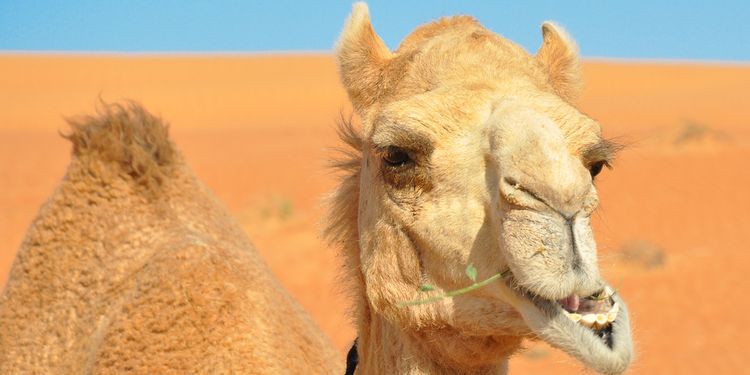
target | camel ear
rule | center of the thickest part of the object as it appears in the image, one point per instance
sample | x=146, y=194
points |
x=559, y=54
x=361, y=56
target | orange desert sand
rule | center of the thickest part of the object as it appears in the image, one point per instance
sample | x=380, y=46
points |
x=672, y=226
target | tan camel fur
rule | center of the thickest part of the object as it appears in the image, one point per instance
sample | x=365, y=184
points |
x=133, y=266
x=471, y=152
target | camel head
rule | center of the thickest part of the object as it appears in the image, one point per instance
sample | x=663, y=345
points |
x=472, y=152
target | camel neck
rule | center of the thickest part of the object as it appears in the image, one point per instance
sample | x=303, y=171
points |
x=385, y=349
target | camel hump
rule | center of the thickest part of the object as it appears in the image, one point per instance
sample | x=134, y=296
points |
x=128, y=136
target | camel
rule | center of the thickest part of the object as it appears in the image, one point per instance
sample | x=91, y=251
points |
x=471, y=155
x=133, y=266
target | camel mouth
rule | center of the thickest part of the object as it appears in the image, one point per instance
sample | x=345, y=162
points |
x=595, y=313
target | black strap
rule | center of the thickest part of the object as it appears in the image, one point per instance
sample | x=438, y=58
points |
x=352, y=358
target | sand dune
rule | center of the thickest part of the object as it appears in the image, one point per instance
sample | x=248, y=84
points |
x=672, y=227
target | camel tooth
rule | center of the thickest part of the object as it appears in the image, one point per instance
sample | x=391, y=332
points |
x=611, y=316
x=601, y=320
x=588, y=320
x=612, y=313
x=575, y=317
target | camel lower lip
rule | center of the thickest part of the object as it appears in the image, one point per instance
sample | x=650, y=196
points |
x=607, y=349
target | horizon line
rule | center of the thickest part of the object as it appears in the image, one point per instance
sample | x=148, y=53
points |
x=301, y=53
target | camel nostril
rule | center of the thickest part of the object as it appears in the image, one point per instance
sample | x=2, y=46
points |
x=512, y=186
x=517, y=194
x=511, y=181
x=512, y=192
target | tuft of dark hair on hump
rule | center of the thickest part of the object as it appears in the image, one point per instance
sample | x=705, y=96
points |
x=128, y=136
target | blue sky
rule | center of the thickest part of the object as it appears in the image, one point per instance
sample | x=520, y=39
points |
x=635, y=29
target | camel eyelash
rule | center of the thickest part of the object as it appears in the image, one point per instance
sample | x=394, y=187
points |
x=601, y=154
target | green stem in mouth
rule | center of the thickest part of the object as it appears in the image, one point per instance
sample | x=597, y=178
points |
x=603, y=297
x=456, y=292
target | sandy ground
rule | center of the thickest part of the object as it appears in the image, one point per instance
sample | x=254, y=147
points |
x=672, y=226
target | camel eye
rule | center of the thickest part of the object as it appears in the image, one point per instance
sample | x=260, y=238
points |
x=395, y=157
x=596, y=168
